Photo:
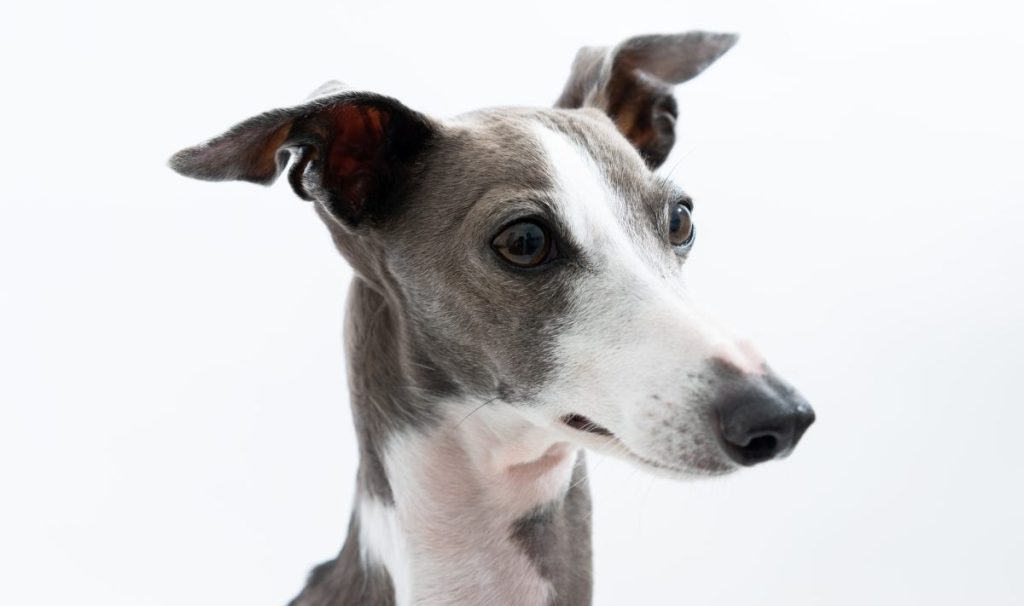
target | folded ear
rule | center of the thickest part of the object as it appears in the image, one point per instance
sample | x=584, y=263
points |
x=351, y=151
x=633, y=81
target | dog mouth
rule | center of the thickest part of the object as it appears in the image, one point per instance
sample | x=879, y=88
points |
x=582, y=423
x=612, y=444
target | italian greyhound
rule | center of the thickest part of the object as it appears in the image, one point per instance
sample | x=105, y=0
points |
x=517, y=298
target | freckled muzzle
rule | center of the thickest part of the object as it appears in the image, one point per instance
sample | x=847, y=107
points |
x=759, y=416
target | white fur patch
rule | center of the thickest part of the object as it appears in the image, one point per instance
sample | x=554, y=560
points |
x=382, y=543
x=458, y=490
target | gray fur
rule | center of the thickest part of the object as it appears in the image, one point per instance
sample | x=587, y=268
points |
x=344, y=581
x=556, y=537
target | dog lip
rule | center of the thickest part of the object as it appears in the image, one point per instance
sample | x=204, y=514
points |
x=582, y=423
x=612, y=444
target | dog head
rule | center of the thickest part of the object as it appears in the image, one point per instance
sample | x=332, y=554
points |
x=533, y=256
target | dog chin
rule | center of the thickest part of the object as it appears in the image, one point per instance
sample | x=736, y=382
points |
x=704, y=466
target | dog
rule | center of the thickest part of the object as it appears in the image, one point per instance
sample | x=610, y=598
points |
x=517, y=298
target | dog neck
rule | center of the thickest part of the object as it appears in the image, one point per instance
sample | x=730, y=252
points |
x=458, y=501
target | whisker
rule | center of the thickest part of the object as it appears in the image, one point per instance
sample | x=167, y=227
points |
x=643, y=503
x=614, y=443
x=472, y=412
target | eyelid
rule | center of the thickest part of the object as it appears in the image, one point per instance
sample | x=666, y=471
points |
x=550, y=223
x=524, y=218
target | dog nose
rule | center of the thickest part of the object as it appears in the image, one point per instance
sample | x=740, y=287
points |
x=762, y=420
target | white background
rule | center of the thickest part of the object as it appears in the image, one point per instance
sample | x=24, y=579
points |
x=175, y=427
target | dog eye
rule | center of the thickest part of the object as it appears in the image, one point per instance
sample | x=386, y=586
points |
x=524, y=244
x=680, y=225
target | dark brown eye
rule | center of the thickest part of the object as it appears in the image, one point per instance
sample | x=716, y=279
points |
x=680, y=226
x=524, y=244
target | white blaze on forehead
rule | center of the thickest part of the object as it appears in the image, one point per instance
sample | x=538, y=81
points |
x=631, y=281
x=592, y=210
x=630, y=284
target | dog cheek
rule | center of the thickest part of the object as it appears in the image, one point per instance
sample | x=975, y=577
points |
x=668, y=431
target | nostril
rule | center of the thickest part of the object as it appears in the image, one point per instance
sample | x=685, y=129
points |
x=749, y=442
x=759, y=448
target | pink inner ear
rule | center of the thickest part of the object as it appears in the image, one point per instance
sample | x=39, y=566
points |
x=356, y=154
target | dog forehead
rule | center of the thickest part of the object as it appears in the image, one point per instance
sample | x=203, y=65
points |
x=487, y=164
x=492, y=166
x=514, y=144
x=598, y=185
x=488, y=161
